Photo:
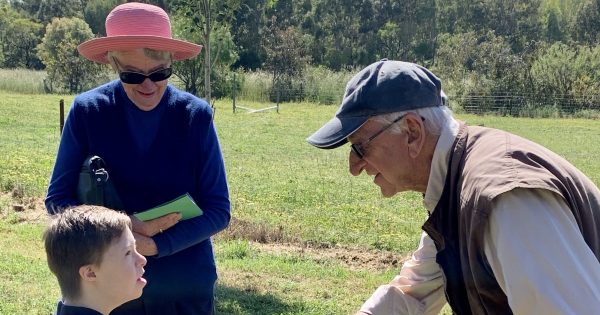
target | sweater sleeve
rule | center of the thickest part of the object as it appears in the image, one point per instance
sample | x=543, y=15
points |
x=63, y=182
x=211, y=195
x=539, y=256
x=417, y=290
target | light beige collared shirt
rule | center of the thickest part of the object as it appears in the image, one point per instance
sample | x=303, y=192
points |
x=533, y=245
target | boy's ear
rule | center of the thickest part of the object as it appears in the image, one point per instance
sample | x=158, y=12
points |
x=87, y=273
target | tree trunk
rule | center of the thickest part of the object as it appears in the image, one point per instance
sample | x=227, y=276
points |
x=207, y=64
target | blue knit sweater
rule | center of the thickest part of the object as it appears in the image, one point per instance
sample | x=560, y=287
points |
x=153, y=157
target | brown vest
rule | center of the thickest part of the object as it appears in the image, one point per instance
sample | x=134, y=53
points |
x=485, y=163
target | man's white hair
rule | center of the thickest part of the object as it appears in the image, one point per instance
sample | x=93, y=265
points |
x=436, y=118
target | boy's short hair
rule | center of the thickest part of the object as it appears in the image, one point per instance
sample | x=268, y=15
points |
x=77, y=237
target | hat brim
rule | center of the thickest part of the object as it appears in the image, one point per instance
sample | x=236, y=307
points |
x=96, y=49
x=335, y=132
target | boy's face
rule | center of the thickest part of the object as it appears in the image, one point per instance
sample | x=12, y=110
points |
x=119, y=276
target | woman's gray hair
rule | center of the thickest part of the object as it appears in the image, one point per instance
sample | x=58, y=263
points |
x=436, y=118
x=158, y=55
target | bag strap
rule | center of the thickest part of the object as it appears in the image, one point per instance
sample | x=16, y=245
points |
x=100, y=177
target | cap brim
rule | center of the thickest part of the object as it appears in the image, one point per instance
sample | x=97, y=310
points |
x=97, y=48
x=335, y=132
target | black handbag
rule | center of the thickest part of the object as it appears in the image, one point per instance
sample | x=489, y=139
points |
x=95, y=186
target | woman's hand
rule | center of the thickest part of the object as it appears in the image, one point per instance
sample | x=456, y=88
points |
x=144, y=230
x=152, y=227
x=145, y=245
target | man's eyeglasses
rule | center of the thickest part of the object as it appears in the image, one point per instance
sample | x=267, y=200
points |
x=359, y=148
x=131, y=77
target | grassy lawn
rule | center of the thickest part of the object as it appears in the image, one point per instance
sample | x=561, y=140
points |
x=252, y=280
x=314, y=221
x=25, y=281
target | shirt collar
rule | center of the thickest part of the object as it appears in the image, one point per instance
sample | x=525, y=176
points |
x=439, y=165
x=63, y=309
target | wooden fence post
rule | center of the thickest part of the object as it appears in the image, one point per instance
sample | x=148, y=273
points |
x=233, y=88
x=61, y=108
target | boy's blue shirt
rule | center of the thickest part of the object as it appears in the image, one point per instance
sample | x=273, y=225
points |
x=62, y=309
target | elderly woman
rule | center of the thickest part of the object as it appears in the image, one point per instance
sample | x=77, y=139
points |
x=158, y=143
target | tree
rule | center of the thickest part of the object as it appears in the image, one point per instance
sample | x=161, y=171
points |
x=416, y=27
x=587, y=86
x=392, y=46
x=247, y=29
x=286, y=60
x=338, y=33
x=555, y=70
x=284, y=10
x=516, y=20
x=553, y=27
x=58, y=51
x=206, y=16
x=190, y=71
x=553, y=20
x=95, y=13
x=481, y=65
x=21, y=52
x=586, y=28
x=460, y=16
x=456, y=54
x=225, y=53
x=45, y=10
x=569, y=74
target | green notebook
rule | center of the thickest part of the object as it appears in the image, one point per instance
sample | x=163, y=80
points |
x=183, y=204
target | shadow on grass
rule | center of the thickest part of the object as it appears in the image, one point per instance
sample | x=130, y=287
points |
x=233, y=301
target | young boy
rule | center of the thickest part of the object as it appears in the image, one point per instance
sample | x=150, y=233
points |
x=91, y=250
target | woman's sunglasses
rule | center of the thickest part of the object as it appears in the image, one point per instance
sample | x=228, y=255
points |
x=131, y=77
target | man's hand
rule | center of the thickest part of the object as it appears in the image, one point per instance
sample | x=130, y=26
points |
x=155, y=226
x=145, y=245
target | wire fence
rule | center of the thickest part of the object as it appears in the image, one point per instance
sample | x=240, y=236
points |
x=18, y=141
x=516, y=105
x=529, y=105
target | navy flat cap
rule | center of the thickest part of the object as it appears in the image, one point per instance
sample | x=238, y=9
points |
x=383, y=87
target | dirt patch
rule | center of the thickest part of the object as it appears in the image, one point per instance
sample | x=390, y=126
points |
x=276, y=241
x=21, y=208
x=353, y=258
x=260, y=233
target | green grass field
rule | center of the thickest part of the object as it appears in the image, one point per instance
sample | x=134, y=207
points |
x=22, y=81
x=327, y=239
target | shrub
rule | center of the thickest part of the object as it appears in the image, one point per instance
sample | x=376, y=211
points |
x=58, y=51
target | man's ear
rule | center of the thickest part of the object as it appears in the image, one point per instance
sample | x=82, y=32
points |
x=415, y=130
x=88, y=273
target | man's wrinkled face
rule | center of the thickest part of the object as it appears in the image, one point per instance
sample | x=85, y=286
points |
x=386, y=157
x=358, y=165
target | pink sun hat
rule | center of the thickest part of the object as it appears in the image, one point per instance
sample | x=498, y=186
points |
x=137, y=25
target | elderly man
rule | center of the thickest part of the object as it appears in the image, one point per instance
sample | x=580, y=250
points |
x=512, y=227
